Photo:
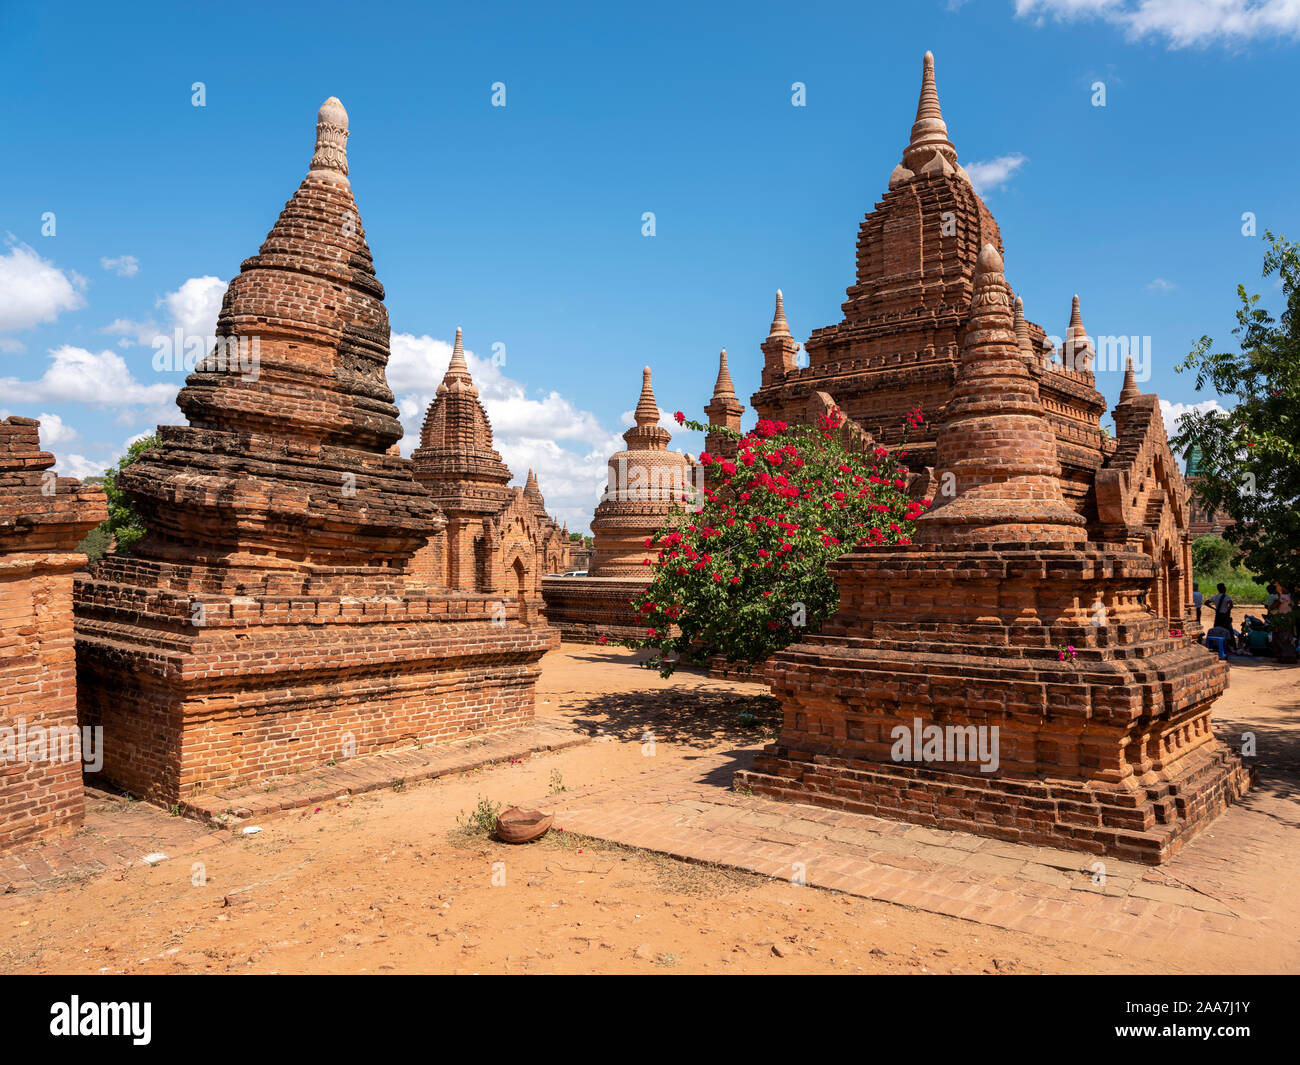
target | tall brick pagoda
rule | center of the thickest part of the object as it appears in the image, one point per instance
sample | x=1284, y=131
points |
x=1045, y=534
x=1004, y=629
x=42, y=519
x=899, y=347
x=646, y=483
x=498, y=540
x=266, y=620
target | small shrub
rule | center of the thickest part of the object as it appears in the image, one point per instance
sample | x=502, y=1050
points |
x=482, y=820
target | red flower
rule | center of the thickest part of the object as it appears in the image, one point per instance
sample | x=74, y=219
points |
x=603, y=638
x=681, y=418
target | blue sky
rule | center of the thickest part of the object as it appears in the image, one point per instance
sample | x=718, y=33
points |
x=523, y=224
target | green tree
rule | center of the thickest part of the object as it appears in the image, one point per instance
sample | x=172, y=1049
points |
x=94, y=545
x=1251, y=453
x=1210, y=554
x=123, y=524
x=744, y=573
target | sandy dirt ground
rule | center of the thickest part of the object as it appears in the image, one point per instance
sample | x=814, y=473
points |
x=391, y=882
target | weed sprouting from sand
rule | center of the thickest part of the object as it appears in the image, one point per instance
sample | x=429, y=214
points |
x=480, y=821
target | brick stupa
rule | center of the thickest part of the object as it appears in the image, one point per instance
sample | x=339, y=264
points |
x=898, y=345
x=646, y=483
x=42, y=519
x=725, y=409
x=1105, y=748
x=265, y=622
x=498, y=540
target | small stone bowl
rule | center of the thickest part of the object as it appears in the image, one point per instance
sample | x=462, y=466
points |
x=522, y=826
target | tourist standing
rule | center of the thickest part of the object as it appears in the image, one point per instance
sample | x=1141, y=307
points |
x=1197, y=601
x=1222, y=604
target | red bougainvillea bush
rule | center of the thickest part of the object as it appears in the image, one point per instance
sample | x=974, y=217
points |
x=745, y=573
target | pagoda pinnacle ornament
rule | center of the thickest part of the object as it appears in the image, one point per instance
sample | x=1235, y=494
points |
x=1130, y=390
x=1077, y=352
x=647, y=410
x=780, y=327
x=331, y=153
x=929, y=151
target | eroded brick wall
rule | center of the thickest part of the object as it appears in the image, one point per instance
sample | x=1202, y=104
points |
x=42, y=518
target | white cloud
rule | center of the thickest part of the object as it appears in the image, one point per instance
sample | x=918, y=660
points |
x=79, y=466
x=132, y=332
x=1172, y=412
x=192, y=308
x=989, y=174
x=54, y=431
x=1161, y=285
x=98, y=379
x=1181, y=23
x=123, y=265
x=34, y=290
x=195, y=305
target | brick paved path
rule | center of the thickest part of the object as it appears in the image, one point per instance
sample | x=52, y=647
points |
x=1229, y=894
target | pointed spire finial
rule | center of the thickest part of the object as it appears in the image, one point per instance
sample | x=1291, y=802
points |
x=723, y=386
x=331, y=139
x=647, y=410
x=457, y=378
x=1077, y=351
x=929, y=151
x=1023, y=341
x=780, y=327
x=1130, y=389
x=458, y=354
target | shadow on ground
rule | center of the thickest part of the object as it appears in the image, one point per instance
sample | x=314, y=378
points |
x=1277, y=744
x=703, y=719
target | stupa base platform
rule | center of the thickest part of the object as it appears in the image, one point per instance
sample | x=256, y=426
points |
x=584, y=609
x=269, y=685
x=1144, y=823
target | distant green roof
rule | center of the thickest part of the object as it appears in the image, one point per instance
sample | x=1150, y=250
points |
x=1195, y=461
